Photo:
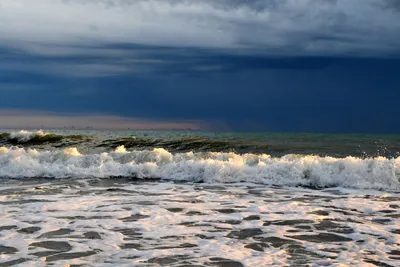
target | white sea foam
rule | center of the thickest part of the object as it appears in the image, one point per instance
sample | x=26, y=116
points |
x=350, y=172
x=139, y=224
x=25, y=136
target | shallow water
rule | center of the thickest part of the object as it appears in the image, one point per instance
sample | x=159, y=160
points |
x=95, y=198
x=125, y=222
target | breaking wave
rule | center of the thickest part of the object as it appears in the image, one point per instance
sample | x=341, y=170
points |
x=27, y=138
x=278, y=145
x=186, y=144
x=209, y=167
x=36, y=138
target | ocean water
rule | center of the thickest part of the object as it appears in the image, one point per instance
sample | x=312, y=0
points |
x=100, y=198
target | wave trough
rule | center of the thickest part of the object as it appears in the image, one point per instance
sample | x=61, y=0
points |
x=210, y=167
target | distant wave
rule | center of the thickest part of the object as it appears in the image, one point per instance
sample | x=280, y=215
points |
x=185, y=144
x=27, y=138
x=36, y=138
x=97, y=141
x=158, y=163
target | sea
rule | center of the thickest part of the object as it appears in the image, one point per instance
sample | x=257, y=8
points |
x=186, y=198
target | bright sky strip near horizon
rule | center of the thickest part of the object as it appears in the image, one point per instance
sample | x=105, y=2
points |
x=255, y=65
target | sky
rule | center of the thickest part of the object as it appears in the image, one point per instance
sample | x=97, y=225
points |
x=215, y=65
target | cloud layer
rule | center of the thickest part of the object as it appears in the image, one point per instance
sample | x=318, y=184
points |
x=273, y=27
x=262, y=65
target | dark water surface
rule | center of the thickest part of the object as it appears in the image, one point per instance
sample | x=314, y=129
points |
x=275, y=144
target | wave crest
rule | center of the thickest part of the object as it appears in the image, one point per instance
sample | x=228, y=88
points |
x=37, y=138
x=24, y=136
x=289, y=170
x=181, y=144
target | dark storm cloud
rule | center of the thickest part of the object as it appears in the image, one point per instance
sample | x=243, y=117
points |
x=73, y=38
x=272, y=27
x=124, y=59
x=277, y=65
x=391, y=4
x=291, y=94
